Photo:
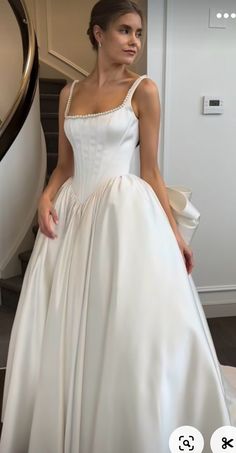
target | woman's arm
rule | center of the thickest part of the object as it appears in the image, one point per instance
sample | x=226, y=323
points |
x=149, y=125
x=149, y=112
x=63, y=170
x=65, y=163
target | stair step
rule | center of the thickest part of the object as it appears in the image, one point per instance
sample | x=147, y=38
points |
x=52, y=86
x=24, y=258
x=49, y=102
x=35, y=229
x=49, y=122
x=51, y=142
x=10, y=290
x=13, y=283
x=51, y=162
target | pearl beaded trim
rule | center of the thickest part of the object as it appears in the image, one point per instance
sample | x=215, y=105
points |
x=86, y=115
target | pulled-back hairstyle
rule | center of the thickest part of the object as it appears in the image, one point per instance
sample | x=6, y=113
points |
x=106, y=11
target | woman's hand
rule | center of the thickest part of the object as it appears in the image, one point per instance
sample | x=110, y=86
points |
x=186, y=252
x=46, y=212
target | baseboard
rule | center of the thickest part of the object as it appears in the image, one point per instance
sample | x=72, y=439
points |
x=219, y=310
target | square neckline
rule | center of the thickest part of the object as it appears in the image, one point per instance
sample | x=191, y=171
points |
x=89, y=115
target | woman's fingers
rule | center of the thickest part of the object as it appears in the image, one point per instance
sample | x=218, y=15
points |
x=45, y=229
x=47, y=217
x=189, y=259
x=187, y=255
x=49, y=228
x=45, y=225
x=54, y=214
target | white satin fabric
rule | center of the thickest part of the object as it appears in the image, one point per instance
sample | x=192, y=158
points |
x=185, y=213
x=110, y=349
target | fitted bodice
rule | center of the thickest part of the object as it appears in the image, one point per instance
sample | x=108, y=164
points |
x=103, y=144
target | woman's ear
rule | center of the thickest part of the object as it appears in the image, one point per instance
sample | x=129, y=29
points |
x=97, y=31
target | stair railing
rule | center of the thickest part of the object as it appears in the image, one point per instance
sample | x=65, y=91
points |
x=19, y=110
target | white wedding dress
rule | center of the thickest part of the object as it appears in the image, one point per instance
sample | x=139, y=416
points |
x=110, y=350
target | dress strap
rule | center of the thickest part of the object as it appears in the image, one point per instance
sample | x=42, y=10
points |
x=133, y=88
x=70, y=97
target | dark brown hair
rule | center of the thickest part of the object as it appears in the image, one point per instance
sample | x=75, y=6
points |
x=106, y=11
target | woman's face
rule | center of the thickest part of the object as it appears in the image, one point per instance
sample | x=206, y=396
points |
x=121, y=42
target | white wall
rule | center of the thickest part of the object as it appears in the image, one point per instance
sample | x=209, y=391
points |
x=188, y=60
x=22, y=176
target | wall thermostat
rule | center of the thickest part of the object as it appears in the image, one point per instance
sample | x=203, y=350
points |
x=212, y=105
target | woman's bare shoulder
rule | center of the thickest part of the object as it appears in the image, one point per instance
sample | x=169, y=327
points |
x=65, y=91
x=146, y=96
x=148, y=86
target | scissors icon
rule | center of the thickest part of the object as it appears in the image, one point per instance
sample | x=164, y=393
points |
x=226, y=443
x=186, y=443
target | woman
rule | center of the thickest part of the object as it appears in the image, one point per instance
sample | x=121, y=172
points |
x=110, y=340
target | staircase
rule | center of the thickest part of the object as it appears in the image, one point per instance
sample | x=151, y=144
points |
x=49, y=103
